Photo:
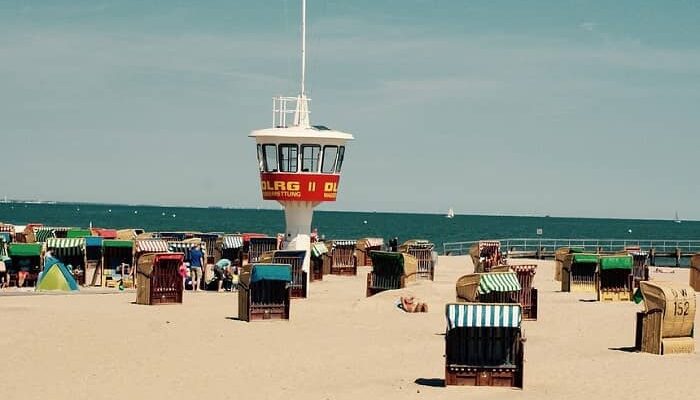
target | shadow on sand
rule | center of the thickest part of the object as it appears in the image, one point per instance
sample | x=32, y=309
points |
x=432, y=382
x=625, y=349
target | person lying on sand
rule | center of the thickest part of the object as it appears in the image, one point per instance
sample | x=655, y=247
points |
x=412, y=305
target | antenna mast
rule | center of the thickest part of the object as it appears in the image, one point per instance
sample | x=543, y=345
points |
x=303, y=48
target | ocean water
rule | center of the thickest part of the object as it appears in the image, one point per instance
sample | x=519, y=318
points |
x=346, y=225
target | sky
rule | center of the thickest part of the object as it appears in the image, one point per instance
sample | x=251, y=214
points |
x=561, y=108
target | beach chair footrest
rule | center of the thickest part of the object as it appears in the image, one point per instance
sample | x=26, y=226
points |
x=456, y=375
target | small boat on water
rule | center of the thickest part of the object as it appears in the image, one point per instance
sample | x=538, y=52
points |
x=450, y=213
x=677, y=220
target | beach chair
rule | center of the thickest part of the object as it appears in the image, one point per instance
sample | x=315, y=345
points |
x=666, y=325
x=318, y=259
x=579, y=273
x=695, y=272
x=489, y=287
x=527, y=294
x=257, y=246
x=422, y=250
x=559, y=258
x=264, y=292
x=343, y=258
x=295, y=258
x=640, y=266
x=158, y=280
x=365, y=246
x=485, y=254
x=614, y=279
x=484, y=345
x=390, y=271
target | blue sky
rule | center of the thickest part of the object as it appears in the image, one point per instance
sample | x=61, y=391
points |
x=578, y=108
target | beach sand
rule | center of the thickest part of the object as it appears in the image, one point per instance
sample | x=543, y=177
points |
x=338, y=345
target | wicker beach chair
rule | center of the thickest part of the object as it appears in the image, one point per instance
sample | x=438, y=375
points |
x=489, y=287
x=614, y=278
x=343, y=258
x=422, y=250
x=158, y=280
x=560, y=257
x=319, y=253
x=527, y=294
x=295, y=258
x=485, y=254
x=257, y=246
x=579, y=273
x=640, y=266
x=390, y=271
x=484, y=345
x=695, y=272
x=365, y=246
x=264, y=293
x=666, y=325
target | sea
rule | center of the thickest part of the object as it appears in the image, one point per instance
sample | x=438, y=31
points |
x=347, y=225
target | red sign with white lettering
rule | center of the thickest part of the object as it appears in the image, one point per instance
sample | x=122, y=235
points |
x=299, y=187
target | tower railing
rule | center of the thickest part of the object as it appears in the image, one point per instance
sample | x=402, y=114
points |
x=284, y=109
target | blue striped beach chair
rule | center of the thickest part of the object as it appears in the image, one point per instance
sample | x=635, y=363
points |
x=484, y=345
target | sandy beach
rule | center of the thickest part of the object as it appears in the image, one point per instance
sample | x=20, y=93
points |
x=338, y=345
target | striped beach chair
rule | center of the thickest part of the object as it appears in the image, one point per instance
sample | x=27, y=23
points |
x=158, y=279
x=485, y=254
x=489, y=287
x=527, y=295
x=319, y=250
x=343, y=258
x=484, y=345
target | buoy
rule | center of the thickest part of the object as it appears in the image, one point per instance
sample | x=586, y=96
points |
x=629, y=231
x=110, y=210
x=173, y=215
x=364, y=222
x=136, y=212
x=163, y=214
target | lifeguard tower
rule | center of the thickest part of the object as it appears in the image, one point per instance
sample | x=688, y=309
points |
x=300, y=163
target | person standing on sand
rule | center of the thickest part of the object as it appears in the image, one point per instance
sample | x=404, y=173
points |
x=196, y=262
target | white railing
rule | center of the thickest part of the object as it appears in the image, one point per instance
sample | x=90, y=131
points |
x=285, y=108
x=593, y=245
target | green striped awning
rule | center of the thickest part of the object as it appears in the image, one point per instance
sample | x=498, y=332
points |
x=585, y=258
x=66, y=246
x=25, y=249
x=117, y=243
x=498, y=282
x=318, y=249
x=616, y=262
x=479, y=315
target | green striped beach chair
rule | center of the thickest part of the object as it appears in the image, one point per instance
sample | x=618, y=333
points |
x=490, y=287
x=484, y=345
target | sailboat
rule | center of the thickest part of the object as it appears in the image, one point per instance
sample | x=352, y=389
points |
x=450, y=213
x=677, y=220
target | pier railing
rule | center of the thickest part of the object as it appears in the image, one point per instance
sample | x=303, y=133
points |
x=548, y=246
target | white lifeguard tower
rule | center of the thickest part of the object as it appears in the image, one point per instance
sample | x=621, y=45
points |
x=300, y=163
